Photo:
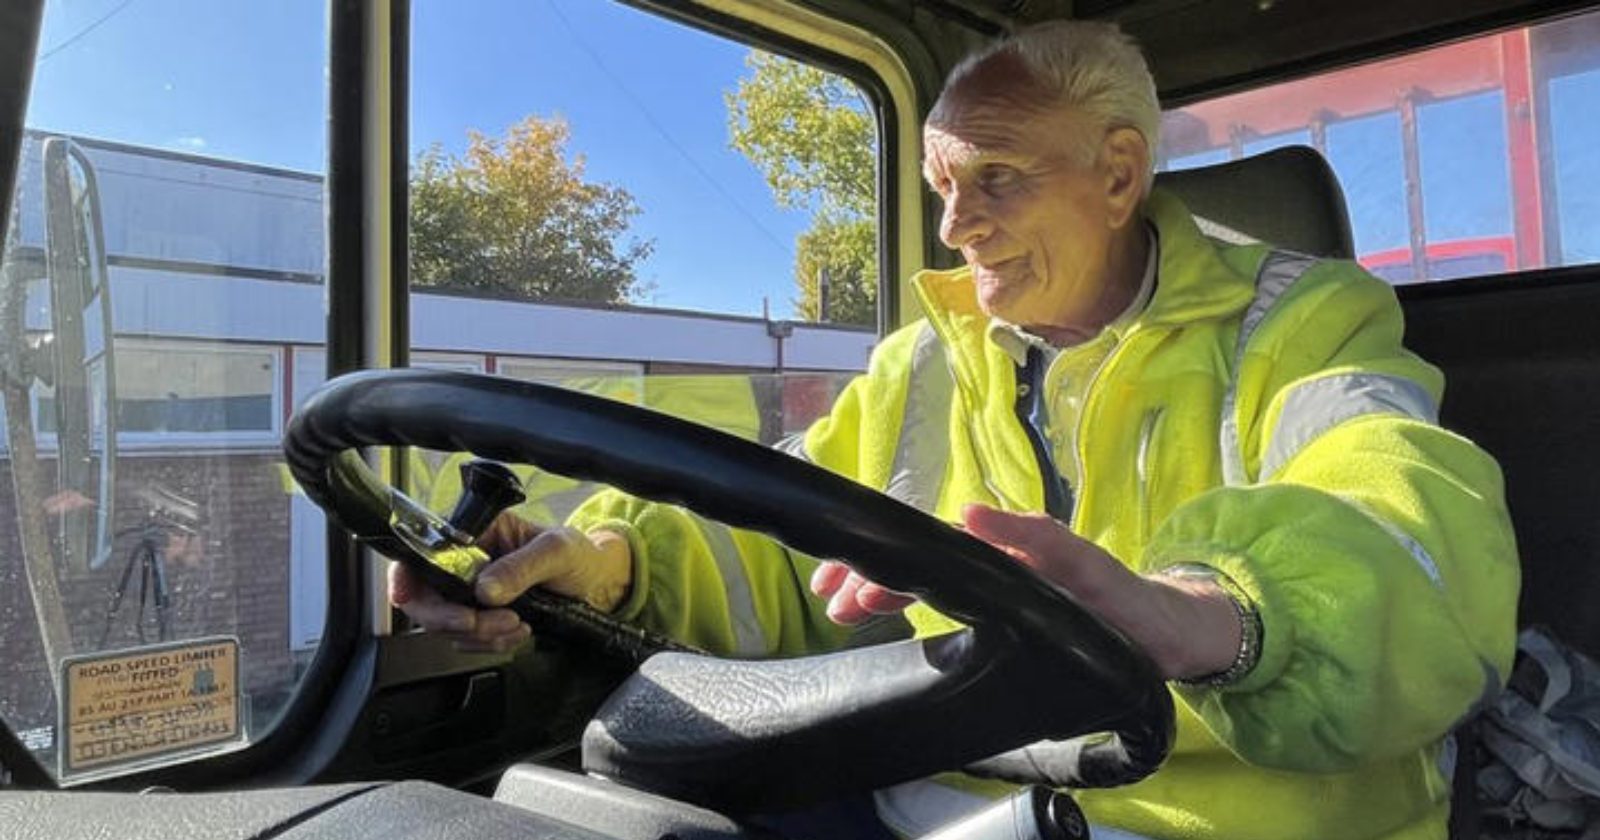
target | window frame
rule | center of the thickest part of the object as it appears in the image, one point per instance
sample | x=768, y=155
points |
x=234, y=440
x=1522, y=83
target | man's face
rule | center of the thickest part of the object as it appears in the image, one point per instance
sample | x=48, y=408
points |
x=1021, y=203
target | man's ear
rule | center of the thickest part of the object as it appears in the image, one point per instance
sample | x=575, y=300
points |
x=1125, y=161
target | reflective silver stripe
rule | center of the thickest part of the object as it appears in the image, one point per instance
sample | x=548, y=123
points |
x=1423, y=559
x=1279, y=271
x=1318, y=405
x=1446, y=764
x=748, y=637
x=923, y=452
x=794, y=445
x=1218, y=230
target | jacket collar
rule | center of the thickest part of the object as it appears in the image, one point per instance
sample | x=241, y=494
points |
x=1194, y=283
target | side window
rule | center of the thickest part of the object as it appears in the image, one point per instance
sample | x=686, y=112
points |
x=554, y=162
x=610, y=201
x=196, y=394
x=1368, y=154
x=160, y=281
x=1466, y=186
x=1572, y=89
x=1470, y=159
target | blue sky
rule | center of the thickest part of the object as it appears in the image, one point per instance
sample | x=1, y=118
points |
x=643, y=97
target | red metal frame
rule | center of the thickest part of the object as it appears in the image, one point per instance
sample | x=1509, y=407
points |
x=1504, y=247
x=1522, y=147
x=1502, y=61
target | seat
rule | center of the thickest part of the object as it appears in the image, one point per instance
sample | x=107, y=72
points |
x=1288, y=196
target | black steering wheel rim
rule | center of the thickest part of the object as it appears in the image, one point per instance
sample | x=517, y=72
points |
x=741, y=484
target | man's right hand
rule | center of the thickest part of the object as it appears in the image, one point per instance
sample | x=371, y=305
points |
x=595, y=568
x=852, y=598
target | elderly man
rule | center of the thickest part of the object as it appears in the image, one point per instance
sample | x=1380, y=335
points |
x=1256, y=492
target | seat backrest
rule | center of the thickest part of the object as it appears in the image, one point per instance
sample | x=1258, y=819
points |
x=1288, y=196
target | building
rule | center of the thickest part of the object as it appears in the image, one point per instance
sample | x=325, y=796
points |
x=207, y=277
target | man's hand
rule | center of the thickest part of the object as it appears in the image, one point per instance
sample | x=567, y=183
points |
x=1186, y=626
x=852, y=598
x=596, y=569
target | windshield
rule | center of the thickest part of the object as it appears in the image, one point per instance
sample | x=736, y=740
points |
x=578, y=218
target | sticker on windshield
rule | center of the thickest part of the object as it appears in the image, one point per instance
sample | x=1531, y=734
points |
x=129, y=706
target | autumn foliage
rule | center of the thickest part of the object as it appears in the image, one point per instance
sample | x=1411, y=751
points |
x=513, y=217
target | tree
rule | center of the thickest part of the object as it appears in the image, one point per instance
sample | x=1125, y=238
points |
x=513, y=217
x=846, y=250
x=814, y=140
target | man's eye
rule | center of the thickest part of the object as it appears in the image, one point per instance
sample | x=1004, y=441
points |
x=992, y=177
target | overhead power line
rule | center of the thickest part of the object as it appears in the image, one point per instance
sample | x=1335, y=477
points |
x=666, y=135
x=84, y=31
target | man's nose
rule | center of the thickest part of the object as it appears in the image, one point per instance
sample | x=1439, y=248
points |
x=965, y=220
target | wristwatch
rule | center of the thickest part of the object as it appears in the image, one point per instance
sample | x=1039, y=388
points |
x=1249, y=625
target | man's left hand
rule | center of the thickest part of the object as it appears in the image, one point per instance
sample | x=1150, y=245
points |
x=1187, y=626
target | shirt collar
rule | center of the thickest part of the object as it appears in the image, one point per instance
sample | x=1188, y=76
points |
x=1015, y=340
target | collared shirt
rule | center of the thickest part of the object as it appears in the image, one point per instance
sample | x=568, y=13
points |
x=1069, y=371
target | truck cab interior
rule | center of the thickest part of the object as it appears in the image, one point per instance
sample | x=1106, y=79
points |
x=392, y=733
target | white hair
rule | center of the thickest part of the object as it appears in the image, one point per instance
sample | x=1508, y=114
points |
x=1092, y=67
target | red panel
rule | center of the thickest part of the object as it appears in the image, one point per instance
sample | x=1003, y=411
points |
x=1501, y=246
x=1522, y=147
x=1458, y=69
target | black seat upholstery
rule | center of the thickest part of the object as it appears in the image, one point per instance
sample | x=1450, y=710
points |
x=1288, y=197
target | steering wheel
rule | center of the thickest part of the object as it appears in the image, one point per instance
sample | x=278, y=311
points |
x=1034, y=667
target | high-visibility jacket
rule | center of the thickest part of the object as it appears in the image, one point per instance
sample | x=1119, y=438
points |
x=1259, y=417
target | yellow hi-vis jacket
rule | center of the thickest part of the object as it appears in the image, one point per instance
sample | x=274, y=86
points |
x=1259, y=417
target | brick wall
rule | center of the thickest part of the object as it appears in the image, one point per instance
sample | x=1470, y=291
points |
x=233, y=578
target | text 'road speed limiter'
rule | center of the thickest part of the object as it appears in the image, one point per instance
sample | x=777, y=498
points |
x=131, y=706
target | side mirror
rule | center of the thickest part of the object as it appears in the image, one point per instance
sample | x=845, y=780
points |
x=85, y=407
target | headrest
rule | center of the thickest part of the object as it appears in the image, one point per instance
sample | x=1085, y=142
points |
x=1288, y=197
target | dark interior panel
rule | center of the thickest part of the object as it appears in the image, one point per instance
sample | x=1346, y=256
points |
x=1265, y=39
x=1522, y=359
x=1287, y=38
x=436, y=714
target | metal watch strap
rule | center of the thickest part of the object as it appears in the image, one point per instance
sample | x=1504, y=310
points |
x=1249, y=626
